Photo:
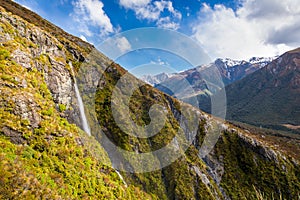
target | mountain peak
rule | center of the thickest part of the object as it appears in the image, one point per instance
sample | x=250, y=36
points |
x=229, y=62
x=266, y=60
x=231, y=70
x=274, y=89
x=155, y=79
x=44, y=154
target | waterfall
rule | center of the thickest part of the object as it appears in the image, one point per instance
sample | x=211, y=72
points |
x=84, y=121
x=83, y=118
x=121, y=177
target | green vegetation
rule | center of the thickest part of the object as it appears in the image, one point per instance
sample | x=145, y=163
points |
x=47, y=161
x=33, y=18
x=276, y=180
x=62, y=107
x=268, y=98
x=244, y=167
x=43, y=156
x=4, y=54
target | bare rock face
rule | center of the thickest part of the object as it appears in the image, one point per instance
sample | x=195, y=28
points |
x=22, y=58
x=27, y=108
x=59, y=82
x=215, y=168
x=48, y=56
x=51, y=56
x=259, y=148
x=15, y=136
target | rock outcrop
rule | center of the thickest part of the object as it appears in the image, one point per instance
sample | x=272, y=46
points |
x=38, y=107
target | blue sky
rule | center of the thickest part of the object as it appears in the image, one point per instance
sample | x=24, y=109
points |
x=237, y=29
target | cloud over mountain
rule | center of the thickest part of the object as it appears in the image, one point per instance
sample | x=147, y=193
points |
x=256, y=27
x=90, y=13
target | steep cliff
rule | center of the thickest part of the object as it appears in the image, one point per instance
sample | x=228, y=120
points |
x=41, y=153
x=45, y=154
x=240, y=164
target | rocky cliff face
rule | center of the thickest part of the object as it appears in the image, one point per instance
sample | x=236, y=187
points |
x=42, y=155
x=238, y=154
x=38, y=107
x=49, y=56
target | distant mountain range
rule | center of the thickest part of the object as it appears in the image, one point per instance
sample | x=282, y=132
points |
x=262, y=91
x=155, y=79
x=46, y=75
x=201, y=82
x=269, y=97
x=231, y=70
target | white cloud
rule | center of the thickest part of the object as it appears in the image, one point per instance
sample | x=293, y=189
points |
x=152, y=11
x=166, y=22
x=83, y=38
x=148, y=12
x=134, y=3
x=90, y=13
x=159, y=61
x=123, y=44
x=257, y=28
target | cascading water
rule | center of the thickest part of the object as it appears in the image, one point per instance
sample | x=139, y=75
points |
x=121, y=177
x=84, y=121
x=85, y=125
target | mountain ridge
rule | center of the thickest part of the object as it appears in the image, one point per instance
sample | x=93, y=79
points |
x=42, y=144
x=275, y=86
x=222, y=64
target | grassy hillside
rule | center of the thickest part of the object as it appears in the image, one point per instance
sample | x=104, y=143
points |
x=244, y=160
x=41, y=153
x=44, y=154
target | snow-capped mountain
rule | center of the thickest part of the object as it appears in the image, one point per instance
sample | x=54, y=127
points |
x=229, y=62
x=254, y=60
x=230, y=70
x=233, y=70
x=156, y=79
x=203, y=86
x=276, y=87
x=202, y=83
x=265, y=60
